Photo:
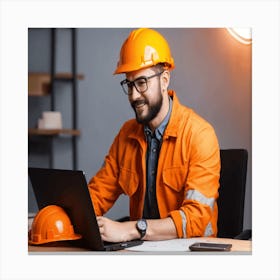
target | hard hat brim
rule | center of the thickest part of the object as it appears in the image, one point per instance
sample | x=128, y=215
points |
x=44, y=241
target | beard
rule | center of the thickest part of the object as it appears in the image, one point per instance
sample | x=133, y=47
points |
x=153, y=109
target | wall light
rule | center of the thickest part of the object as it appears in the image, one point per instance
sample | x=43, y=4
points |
x=243, y=35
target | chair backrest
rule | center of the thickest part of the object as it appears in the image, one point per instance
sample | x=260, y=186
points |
x=232, y=192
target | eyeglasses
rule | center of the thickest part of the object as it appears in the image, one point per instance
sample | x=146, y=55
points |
x=141, y=84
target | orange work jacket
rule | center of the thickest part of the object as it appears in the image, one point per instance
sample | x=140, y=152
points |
x=187, y=175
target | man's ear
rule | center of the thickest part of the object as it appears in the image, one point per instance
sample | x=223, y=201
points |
x=165, y=79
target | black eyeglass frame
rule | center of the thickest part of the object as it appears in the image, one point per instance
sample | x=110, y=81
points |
x=130, y=84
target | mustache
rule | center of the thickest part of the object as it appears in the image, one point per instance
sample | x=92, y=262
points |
x=137, y=103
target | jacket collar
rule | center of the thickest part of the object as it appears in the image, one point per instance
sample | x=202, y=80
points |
x=172, y=127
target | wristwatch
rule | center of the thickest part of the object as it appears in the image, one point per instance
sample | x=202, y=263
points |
x=141, y=226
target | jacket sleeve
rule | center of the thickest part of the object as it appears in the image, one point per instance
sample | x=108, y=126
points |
x=198, y=213
x=103, y=187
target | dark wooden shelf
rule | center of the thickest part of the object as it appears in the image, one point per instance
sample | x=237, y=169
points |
x=39, y=83
x=68, y=76
x=53, y=132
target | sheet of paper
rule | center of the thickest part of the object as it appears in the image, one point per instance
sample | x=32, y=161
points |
x=173, y=245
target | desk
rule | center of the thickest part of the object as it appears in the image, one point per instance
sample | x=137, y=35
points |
x=238, y=246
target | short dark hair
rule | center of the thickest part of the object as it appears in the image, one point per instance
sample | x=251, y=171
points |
x=160, y=67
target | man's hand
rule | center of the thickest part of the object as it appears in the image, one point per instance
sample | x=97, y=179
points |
x=158, y=229
x=113, y=231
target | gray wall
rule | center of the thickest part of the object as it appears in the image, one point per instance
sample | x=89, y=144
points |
x=212, y=76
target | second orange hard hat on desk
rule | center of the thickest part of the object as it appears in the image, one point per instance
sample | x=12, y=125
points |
x=51, y=224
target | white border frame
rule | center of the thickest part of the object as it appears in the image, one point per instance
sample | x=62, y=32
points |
x=17, y=16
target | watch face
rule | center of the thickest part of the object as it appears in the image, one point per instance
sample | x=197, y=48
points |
x=141, y=224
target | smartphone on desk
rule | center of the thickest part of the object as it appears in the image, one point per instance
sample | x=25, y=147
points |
x=204, y=246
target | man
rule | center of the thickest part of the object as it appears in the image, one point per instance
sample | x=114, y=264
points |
x=167, y=160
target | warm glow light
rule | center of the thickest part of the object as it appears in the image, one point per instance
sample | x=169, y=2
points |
x=243, y=35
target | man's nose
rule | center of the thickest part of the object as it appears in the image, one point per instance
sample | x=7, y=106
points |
x=134, y=94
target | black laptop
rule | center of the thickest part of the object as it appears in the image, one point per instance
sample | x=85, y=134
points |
x=68, y=189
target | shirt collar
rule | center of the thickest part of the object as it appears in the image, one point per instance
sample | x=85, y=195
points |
x=161, y=128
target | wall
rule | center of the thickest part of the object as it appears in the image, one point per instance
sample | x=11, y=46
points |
x=212, y=76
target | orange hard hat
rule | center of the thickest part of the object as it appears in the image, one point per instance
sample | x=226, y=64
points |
x=51, y=224
x=144, y=48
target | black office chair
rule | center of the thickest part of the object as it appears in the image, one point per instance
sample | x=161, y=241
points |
x=232, y=194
